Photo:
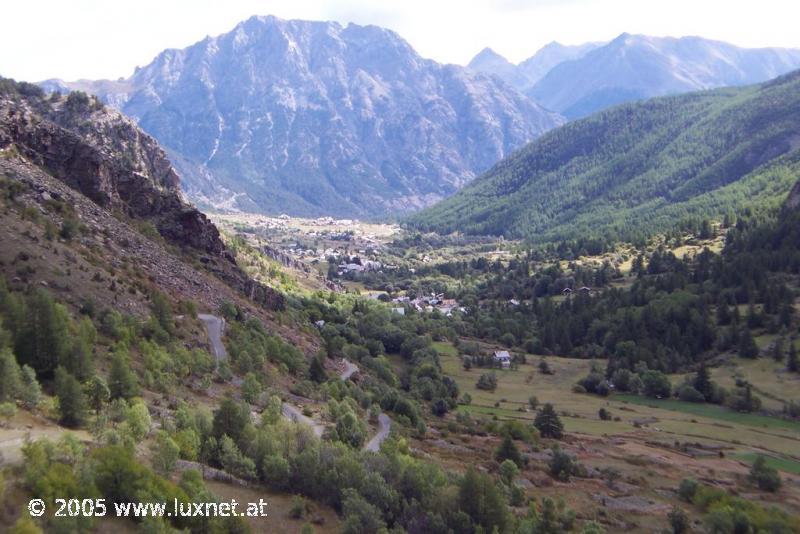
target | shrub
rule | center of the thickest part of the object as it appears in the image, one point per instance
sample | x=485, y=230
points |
x=689, y=394
x=561, y=465
x=687, y=489
x=764, y=476
x=487, y=381
x=508, y=451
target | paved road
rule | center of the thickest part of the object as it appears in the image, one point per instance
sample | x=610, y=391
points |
x=214, y=328
x=293, y=414
x=385, y=425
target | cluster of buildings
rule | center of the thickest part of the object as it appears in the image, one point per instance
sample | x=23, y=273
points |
x=429, y=303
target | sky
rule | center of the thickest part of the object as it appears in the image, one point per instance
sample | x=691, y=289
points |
x=93, y=39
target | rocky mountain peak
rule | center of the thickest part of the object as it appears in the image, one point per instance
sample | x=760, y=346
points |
x=318, y=118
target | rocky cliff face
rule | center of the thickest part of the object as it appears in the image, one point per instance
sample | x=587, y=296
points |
x=313, y=117
x=106, y=157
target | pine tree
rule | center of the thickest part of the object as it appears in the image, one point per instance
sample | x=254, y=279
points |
x=9, y=376
x=122, y=382
x=747, y=345
x=316, y=370
x=98, y=393
x=548, y=423
x=43, y=339
x=79, y=360
x=792, y=365
x=508, y=451
x=31, y=392
x=702, y=382
x=777, y=350
x=71, y=401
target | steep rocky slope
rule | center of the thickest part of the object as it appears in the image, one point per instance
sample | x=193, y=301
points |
x=112, y=178
x=313, y=117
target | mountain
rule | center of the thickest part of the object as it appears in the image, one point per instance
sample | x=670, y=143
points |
x=639, y=168
x=90, y=167
x=636, y=67
x=526, y=74
x=313, y=117
x=487, y=61
x=552, y=54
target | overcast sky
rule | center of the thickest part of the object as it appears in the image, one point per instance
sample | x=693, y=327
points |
x=73, y=39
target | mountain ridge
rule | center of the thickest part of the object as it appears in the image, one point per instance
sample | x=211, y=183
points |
x=635, y=67
x=639, y=168
x=314, y=118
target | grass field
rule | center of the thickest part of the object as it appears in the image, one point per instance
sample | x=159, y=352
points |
x=713, y=411
x=769, y=379
x=671, y=419
x=782, y=464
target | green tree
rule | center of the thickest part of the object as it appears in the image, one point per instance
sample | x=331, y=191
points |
x=360, y=516
x=31, y=392
x=487, y=381
x=561, y=465
x=764, y=476
x=316, y=370
x=230, y=419
x=482, y=501
x=777, y=350
x=122, y=382
x=138, y=420
x=508, y=451
x=98, y=393
x=251, y=388
x=25, y=525
x=233, y=461
x=78, y=359
x=678, y=521
x=508, y=471
x=72, y=405
x=162, y=311
x=10, y=379
x=592, y=527
x=43, y=339
x=702, y=382
x=350, y=429
x=656, y=384
x=548, y=423
x=165, y=453
x=747, y=345
x=792, y=363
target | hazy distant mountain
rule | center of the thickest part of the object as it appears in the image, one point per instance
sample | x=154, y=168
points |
x=530, y=71
x=490, y=62
x=537, y=66
x=313, y=117
x=634, y=67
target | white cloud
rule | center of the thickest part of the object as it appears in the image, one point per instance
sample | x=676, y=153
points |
x=94, y=38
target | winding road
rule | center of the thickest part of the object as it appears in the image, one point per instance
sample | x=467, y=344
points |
x=385, y=424
x=292, y=413
x=215, y=326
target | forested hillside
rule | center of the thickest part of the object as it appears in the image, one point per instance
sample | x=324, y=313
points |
x=638, y=169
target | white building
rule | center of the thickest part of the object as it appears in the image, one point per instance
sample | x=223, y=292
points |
x=503, y=358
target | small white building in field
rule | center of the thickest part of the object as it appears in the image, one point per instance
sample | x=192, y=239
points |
x=503, y=358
